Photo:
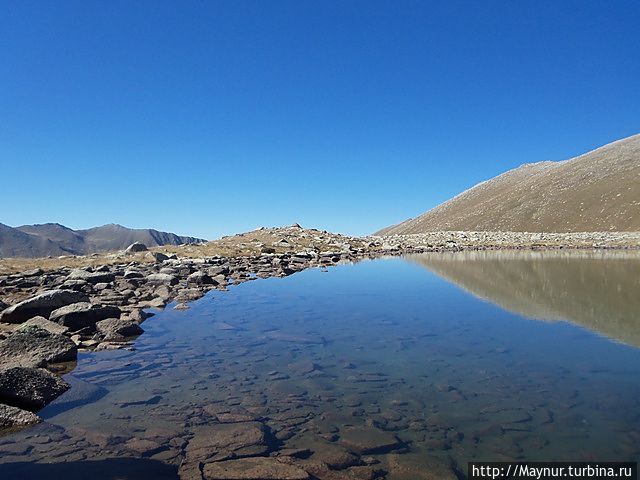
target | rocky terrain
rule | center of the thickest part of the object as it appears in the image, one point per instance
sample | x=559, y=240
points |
x=597, y=191
x=53, y=308
x=55, y=239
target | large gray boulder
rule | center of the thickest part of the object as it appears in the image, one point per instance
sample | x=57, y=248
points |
x=81, y=315
x=161, y=279
x=16, y=417
x=136, y=247
x=35, y=347
x=92, y=277
x=41, y=305
x=200, y=278
x=114, y=329
x=45, y=324
x=29, y=388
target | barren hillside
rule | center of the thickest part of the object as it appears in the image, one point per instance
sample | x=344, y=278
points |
x=597, y=191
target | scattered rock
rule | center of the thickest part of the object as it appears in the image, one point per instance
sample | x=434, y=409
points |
x=369, y=440
x=159, y=257
x=136, y=247
x=33, y=346
x=42, y=304
x=82, y=315
x=116, y=328
x=47, y=325
x=92, y=277
x=162, y=279
x=29, y=388
x=16, y=417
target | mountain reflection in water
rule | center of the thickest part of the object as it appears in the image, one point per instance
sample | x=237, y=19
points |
x=593, y=289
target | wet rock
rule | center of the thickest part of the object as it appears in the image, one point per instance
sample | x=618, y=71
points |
x=116, y=328
x=143, y=446
x=42, y=304
x=81, y=315
x=259, y=468
x=29, y=388
x=221, y=441
x=136, y=247
x=35, y=347
x=335, y=456
x=368, y=440
x=162, y=279
x=47, y=325
x=16, y=417
x=419, y=467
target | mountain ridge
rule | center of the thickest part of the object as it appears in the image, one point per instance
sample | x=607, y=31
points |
x=596, y=191
x=54, y=239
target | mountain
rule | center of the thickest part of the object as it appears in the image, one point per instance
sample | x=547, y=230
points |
x=597, y=191
x=55, y=239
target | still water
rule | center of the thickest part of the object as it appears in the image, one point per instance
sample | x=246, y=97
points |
x=431, y=358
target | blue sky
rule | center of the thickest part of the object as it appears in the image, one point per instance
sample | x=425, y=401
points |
x=208, y=118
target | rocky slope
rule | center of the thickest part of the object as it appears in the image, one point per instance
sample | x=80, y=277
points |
x=54, y=239
x=597, y=191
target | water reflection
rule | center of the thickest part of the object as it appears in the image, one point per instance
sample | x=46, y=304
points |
x=596, y=290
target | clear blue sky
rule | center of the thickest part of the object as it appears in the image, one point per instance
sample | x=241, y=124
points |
x=209, y=118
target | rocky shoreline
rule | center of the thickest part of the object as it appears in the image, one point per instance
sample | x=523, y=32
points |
x=49, y=313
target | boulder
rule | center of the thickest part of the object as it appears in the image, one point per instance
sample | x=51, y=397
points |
x=42, y=304
x=33, y=346
x=29, y=388
x=162, y=279
x=159, y=257
x=16, y=417
x=91, y=277
x=130, y=274
x=258, y=468
x=47, y=325
x=81, y=315
x=117, y=329
x=200, y=278
x=136, y=247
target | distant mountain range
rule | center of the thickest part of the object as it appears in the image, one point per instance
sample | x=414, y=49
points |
x=597, y=191
x=53, y=239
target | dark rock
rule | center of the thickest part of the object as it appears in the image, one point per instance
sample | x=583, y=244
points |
x=29, y=388
x=16, y=417
x=136, y=247
x=47, y=325
x=92, y=277
x=200, y=278
x=81, y=315
x=116, y=328
x=42, y=304
x=33, y=346
x=161, y=279
x=159, y=257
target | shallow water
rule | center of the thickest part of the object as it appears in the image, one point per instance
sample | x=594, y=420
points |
x=388, y=344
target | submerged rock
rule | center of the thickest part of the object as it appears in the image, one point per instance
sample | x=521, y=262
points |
x=221, y=441
x=33, y=346
x=42, y=304
x=259, y=468
x=369, y=440
x=29, y=388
